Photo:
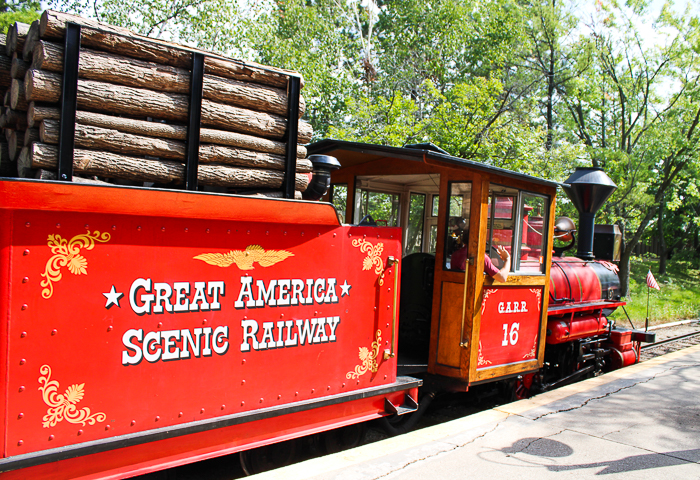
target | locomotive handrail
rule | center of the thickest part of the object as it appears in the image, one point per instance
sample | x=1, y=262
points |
x=391, y=261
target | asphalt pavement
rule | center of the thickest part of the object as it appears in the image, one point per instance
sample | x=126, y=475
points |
x=640, y=422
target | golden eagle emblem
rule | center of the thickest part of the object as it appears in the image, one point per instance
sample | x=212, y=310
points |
x=244, y=259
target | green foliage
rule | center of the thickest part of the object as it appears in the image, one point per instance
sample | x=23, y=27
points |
x=18, y=11
x=678, y=299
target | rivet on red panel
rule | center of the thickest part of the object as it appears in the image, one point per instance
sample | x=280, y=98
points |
x=248, y=232
x=334, y=234
x=243, y=361
x=328, y=387
x=26, y=252
x=242, y=382
x=204, y=322
x=21, y=389
x=22, y=361
x=284, y=233
x=228, y=231
x=302, y=234
x=25, y=279
x=262, y=400
x=296, y=394
x=179, y=414
x=187, y=229
x=162, y=229
x=51, y=437
x=313, y=390
x=133, y=422
x=107, y=427
x=20, y=443
x=27, y=224
x=201, y=411
x=385, y=377
x=242, y=404
x=54, y=331
x=114, y=227
x=58, y=225
x=267, y=232
x=343, y=385
x=223, y=407
x=160, y=324
x=80, y=432
x=25, y=306
x=87, y=226
x=157, y=417
x=138, y=228
x=109, y=329
x=23, y=334
x=375, y=309
x=279, y=397
x=207, y=230
x=20, y=416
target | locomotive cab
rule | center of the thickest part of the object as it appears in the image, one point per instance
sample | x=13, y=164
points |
x=457, y=326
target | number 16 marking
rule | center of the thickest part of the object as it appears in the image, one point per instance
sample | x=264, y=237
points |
x=513, y=334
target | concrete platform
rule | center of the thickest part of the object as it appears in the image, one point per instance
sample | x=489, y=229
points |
x=641, y=422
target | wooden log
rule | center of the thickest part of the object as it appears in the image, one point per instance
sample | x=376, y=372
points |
x=31, y=135
x=15, y=144
x=96, y=138
x=110, y=165
x=5, y=69
x=43, y=86
x=124, y=42
x=17, y=98
x=24, y=164
x=15, y=118
x=8, y=133
x=8, y=168
x=11, y=32
x=42, y=174
x=37, y=113
x=16, y=41
x=18, y=67
x=8, y=96
x=121, y=70
x=30, y=41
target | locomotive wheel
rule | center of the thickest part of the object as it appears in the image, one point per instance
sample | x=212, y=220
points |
x=269, y=457
x=343, y=438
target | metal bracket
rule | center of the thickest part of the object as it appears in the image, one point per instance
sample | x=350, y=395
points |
x=194, y=120
x=69, y=102
x=291, y=136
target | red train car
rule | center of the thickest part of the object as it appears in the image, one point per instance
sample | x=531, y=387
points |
x=150, y=328
x=146, y=329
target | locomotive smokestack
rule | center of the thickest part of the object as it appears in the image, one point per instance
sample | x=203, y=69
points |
x=321, y=180
x=588, y=188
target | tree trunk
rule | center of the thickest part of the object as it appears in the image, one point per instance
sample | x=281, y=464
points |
x=37, y=113
x=30, y=41
x=96, y=138
x=110, y=165
x=663, y=250
x=124, y=42
x=121, y=70
x=42, y=86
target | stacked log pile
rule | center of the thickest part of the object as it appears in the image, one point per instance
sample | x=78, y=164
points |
x=133, y=103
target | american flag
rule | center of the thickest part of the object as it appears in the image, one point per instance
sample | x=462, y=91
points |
x=651, y=281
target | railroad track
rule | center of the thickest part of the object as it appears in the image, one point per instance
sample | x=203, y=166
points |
x=668, y=345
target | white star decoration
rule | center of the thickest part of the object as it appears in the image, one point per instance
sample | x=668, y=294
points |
x=345, y=289
x=113, y=298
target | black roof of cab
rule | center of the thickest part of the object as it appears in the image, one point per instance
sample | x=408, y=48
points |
x=365, y=152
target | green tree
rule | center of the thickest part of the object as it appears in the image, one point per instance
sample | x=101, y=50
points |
x=23, y=11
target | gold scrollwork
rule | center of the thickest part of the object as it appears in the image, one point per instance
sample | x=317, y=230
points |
x=481, y=361
x=533, y=351
x=62, y=405
x=486, y=295
x=244, y=259
x=369, y=359
x=374, y=256
x=67, y=254
x=538, y=294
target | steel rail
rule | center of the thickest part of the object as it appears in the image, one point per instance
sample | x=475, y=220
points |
x=669, y=340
